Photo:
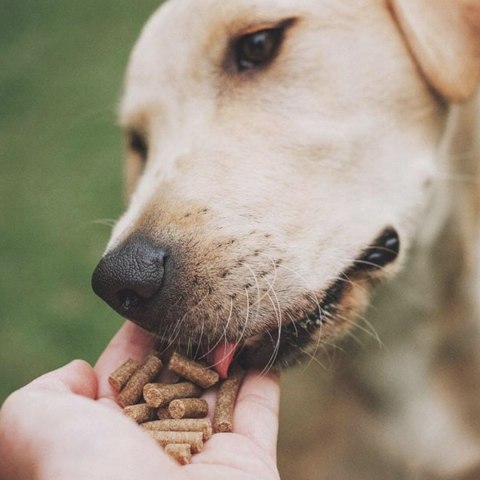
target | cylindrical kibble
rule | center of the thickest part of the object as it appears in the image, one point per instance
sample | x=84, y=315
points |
x=202, y=425
x=194, y=439
x=119, y=378
x=193, y=371
x=132, y=391
x=160, y=394
x=225, y=404
x=181, y=427
x=141, y=413
x=188, y=408
x=181, y=452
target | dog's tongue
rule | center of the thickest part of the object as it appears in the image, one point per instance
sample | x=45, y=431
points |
x=222, y=357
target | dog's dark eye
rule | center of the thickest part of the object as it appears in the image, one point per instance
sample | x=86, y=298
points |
x=137, y=143
x=258, y=49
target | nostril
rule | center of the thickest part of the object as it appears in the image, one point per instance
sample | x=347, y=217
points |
x=129, y=300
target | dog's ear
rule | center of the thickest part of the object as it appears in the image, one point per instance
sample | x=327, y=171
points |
x=444, y=38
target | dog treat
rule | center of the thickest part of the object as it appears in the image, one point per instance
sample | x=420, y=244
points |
x=119, y=378
x=141, y=413
x=182, y=425
x=194, y=439
x=225, y=404
x=173, y=414
x=161, y=394
x=188, y=408
x=163, y=414
x=193, y=371
x=132, y=392
x=181, y=452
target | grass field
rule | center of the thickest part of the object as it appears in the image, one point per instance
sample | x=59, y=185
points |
x=60, y=78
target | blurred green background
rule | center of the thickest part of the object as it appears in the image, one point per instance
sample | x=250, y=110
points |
x=61, y=69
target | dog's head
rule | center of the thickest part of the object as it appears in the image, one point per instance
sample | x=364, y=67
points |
x=279, y=153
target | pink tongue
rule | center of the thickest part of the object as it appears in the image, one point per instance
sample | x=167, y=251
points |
x=222, y=357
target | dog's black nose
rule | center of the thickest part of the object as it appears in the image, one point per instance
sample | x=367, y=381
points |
x=129, y=277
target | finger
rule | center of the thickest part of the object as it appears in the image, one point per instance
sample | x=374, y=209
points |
x=131, y=341
x=76, y=377
x=256, y=411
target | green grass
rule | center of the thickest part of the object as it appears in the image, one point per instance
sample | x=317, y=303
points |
x=61, y=72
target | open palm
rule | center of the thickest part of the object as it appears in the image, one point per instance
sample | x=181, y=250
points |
x=66, y=425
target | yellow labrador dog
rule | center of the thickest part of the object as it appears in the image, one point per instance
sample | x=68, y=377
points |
x=284, y=157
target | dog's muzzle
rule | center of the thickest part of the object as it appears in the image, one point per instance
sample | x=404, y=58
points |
x=142, y=281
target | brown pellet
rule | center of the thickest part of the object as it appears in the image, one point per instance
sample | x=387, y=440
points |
x=160, y=394
x=132, y=391
x=225, y=404
x=181, y=452
x=163, y=414
x=182, y=426
x=140, y=413
x=202, y=425
x=193, y=371
x=188, y=408
x=194, y=439
x=119, y=378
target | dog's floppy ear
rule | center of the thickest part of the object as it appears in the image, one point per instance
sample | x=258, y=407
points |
x=444, y=38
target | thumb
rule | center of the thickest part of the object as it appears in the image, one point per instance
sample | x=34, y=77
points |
x=76, y=377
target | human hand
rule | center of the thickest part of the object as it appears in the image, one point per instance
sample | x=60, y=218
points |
x=65, y=425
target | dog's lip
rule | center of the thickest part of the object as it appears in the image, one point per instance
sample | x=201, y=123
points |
x=261, y=350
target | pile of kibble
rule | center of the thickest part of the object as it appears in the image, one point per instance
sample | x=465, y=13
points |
x=172, y=413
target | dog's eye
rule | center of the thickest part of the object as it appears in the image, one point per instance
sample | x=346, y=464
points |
x=258, y=49
x=137, y=143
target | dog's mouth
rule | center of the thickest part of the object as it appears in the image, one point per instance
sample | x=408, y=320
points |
x=309, y=324
x=278, y=347
x=282, y=346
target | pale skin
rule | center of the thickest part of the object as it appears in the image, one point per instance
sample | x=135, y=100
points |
x=65, y=425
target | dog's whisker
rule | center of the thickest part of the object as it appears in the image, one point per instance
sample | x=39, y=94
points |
x=223, y=334
x=260, y=299
x=199, y=343
x=312, y=358
x=368, y=264
x=369, y=329
x=247, y=314
x=294, y=322
x=177, y=328
x=310, y=290
x=317, y=344
x=109, y=222
x=278, y=314
x=178, y=325
x=355, y=324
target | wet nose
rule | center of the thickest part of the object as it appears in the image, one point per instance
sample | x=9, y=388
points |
x=129, y=277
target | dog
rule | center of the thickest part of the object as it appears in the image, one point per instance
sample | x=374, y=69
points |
x=284, y=157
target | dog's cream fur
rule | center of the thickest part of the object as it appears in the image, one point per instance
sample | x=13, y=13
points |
x=269, y=184
x=406, y=405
